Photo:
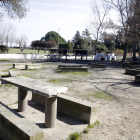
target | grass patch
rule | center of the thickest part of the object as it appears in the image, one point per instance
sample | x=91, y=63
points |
x=1, y=60
x=74, y=136
x=27, y=51
x=73, y=73
x=12, y=68
x=12, y=104
x=8, y=85
x=101, y=95
x=1, y=86
x=5, y=70
x=74, y=90
x=90, y=126
x=97, y=123
x=25, y=75
x=58, y=81
x=6, y=75
x=85, y=131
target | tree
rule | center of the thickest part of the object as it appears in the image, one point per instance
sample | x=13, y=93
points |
x=86, y=41
x=69, y=45
x=3, y=48
x=101, y=47
x=77, y=40
x=51, y=44
x=53, y=36
x=14, y=8
x=100, y=11
x=7, y=35
x=129, y=19
x=22, y=41
x=109, y=40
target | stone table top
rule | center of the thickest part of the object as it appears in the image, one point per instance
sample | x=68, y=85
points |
x=37, y=86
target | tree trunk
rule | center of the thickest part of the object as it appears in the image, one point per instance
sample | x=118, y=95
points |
x=134, y=51
x=95, y=46
x=138, y=48
x=125, y=52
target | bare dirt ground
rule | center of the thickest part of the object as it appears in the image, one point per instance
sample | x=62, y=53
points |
x=118, y=108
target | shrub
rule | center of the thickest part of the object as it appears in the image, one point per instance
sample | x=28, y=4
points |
x=74, y=136
x=85, y=131
x=90, y=126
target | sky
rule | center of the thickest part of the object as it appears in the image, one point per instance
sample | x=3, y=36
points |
x=49, y=15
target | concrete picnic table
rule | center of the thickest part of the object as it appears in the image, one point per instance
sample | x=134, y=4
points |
x=48, y=90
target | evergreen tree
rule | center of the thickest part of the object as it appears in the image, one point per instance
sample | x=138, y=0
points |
x=53, y=36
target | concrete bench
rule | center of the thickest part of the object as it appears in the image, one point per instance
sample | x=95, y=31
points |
x=137, y=78
x=33, y=66
x=76, y=108
x=69, y=66
x=19, y=65
x=48, y=90
x=132, y=66
x=15, y=127
x=132, y=71
x=74, y=69
x=97, y=65
x=12, y=73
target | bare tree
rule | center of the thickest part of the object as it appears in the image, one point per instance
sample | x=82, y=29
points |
x=100, y=11
x=22, y=41
x=128, y=21
x=7, y=34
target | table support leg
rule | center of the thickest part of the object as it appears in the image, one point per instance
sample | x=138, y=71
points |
x=22, y=99
x=50, y=111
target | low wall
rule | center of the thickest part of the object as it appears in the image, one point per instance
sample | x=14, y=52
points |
x=137, y=78
x=95, y=65
x=33, y=66
x=15, y=127
x=74, y=69
x=132, y=71
x=132, y=66
x=73, y=107
x=22, y=56
x=59, y=66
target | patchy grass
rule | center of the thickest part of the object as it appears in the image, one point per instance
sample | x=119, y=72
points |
x=5, y=70
x=74, y=136
x=13, y=68
x=27, y=51
x=99, y=95
x=73, y=73
x=1, y=86
x=25, y=75
x=85, y=131
x=1, y=60
x=58, y=81
x=74, y=91
x=8, y=85
x=90, y=126
x=5, y=75
x=97, y=123
x=12, y=104
x=43, y=68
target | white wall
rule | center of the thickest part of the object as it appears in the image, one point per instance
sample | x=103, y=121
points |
x=22, y=56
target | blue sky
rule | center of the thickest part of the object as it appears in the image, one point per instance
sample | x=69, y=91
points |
x=46, y=15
